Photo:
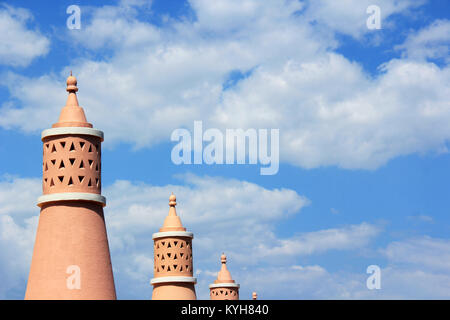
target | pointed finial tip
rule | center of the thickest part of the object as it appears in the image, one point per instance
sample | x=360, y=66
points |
x=254, y=295
x=71, y=83
x=223, y=258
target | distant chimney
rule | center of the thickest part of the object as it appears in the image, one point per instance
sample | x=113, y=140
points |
x=173, y=266
x=224, y=287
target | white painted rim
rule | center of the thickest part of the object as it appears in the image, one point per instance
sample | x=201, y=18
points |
x=173, y=279
x=72, y=130
x=72, y=196
x=172, y=234
x=224, y=285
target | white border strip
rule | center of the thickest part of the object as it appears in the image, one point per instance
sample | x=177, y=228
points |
x=71, y=130
x=173, y=279
x=71, y=196
x=172, y=234
x=224, y=285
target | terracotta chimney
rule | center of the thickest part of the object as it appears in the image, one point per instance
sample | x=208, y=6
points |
x=71, y=258
x=224, y=288
x=173, y=267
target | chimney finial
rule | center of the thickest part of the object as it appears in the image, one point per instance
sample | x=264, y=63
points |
x=71, y=84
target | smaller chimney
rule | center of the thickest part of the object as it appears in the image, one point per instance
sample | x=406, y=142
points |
x=224, y=288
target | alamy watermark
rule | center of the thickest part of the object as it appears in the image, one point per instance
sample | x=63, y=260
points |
x=74, y=280
x=233, y=147
x=374, y=280
x=74, y=20
x=373, y=22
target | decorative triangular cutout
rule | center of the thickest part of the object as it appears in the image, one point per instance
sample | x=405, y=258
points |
x=169, y=254
x=90, y=163
x=52, y=183
x=90, y=148
x=63, y=144
x=53, y=148
x=72, y=147
x=53, y=161
x=81, y=145
x=72, y=160
x=61, y=165
x=81, y=178
x=61, y=178
x=168, y=268
x=81, y=164
x=46, y=167
x=175, y=266
x=70, y=181
x=90, y=183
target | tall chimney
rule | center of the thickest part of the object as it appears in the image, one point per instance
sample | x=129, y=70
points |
x=71, y=258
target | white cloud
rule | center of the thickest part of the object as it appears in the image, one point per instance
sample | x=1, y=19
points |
x=236, y=217
x=349, y=16
x=18, y=223
x=431, y=42
x=18, y=196
x=19, y=45
x=424, y=252
x=416, y=269
x=223, y=213
x=316, y=282
x=351, y=237
x=328, y=110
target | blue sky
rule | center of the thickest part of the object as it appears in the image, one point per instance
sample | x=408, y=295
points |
x=363, y=118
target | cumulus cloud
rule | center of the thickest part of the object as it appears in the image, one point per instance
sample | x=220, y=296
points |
x=222, y=212
x=431, y=42
x=18, y=44
x=351, y=237
x=329, y=111
x=425, y=252
x=237, y=217
x=350, y=16
x=18, y=223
